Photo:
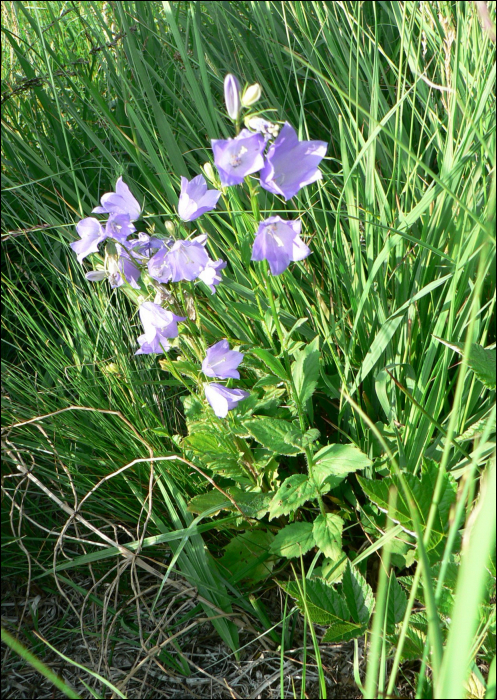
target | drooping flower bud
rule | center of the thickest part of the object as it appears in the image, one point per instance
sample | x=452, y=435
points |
x=251, y=95
x=232, y=96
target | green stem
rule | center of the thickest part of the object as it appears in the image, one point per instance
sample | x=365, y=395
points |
x=198, y=351
x=254, y=200
x=197, y=316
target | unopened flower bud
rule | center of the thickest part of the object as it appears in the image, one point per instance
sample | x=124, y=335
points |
x=251, y=95
x=209, y=173
x=170, y=227
x=232, y=96
x=110, y=249
x=96, y=275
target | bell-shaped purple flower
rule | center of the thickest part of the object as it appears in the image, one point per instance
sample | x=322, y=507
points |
x=291, y=164
x=119, y=202
x=158, y=266
x=118, y=270
x=90, y=230
x=143, y=247
x=195, y=199
x=232, y=96
x=238, y=157
x=223, y=399
x=210, y=274
x=183, y=261
x=279, y=242
x=159, y=325
x=221, y=362
x=119, y=227
x=91, y=234
x=124, y=269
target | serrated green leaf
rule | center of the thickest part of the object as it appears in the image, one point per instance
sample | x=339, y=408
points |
x=192, y=406
x=324, y=605
x=327, y=530
x=343, y=632
x=305, y=371
x=293, y=492
x=267, y=380
x=271, y=433
x=208, y=500
x=215, y=451
x=414, y=644
x=294, y=437
x=253, y=504
x=310, y=436
x=333, y=569
x=478, y=427
x=293, y=540
x=209, y=445
x=247, y=556
x=482, y=362
x=334, y=462
x=358, y=594
x=421, y=491
x=397, y=603
x=271, y=363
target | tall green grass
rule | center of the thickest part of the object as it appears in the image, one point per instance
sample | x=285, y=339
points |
x=402, y=229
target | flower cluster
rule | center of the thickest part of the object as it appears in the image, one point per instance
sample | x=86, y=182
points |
x=285, y=165
x=123, y=209
x=165, y=260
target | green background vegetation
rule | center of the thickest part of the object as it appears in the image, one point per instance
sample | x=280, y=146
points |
x=402, y=229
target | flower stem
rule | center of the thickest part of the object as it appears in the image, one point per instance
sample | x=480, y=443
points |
x=197, y=316
x=254, y=200
x=191, y=326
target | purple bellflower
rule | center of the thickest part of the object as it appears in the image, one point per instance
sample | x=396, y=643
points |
x=238, y=157
x=185, y=260
x=118, y=270
x=291, y=164
x=159, y=325
x=119, y=202
x=143, y=247
x=221, y=362
x=158, y=266
x=223, y=399
x=279, y=242
x=91, y=233
x=232, y=96
x=210, y=274
x=123, y=269
x=195, y=199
